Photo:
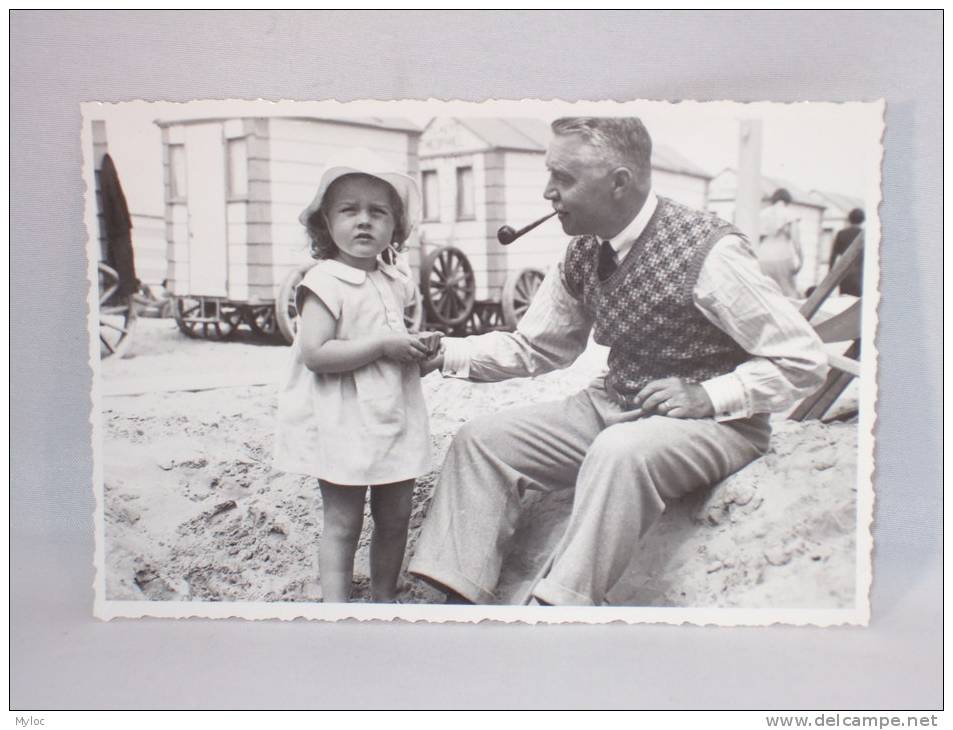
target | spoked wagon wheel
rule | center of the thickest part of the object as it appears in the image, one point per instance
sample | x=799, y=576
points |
x=263, y=321
x=448, y=286
x=518, y=291
x=486, y=317
x=285, y=310
x=414, y=313
x=117, y=315
x=210, y=319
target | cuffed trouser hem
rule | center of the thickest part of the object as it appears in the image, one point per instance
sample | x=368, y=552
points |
x=557, y=595
x=453, y=580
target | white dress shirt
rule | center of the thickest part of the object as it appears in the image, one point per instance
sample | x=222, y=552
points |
x=787, y=359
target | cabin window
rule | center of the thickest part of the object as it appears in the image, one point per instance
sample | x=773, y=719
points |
x=177, y=178
x=431, y=210
x=465, y=203
x=237, y=169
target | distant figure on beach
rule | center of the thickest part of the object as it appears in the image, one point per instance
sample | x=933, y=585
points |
x=351, y=411
x=702, y=347
x=852, y=283
x=779, y=250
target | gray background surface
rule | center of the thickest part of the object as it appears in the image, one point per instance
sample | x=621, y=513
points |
x=63, y=658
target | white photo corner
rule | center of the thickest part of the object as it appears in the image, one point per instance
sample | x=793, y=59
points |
x=200, y=258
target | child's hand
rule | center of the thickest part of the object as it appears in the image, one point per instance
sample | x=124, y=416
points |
x=404, y=348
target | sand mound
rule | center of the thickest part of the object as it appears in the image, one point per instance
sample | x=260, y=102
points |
x=779, y=533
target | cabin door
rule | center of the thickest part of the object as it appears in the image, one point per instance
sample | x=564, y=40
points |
x=208, y=245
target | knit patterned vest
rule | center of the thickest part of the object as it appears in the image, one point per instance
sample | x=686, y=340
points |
x=644, y=312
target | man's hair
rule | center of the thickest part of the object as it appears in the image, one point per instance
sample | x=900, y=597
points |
x=856, y=216
x=623, y=140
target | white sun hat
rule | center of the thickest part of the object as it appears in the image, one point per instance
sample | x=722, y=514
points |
x=364, y=161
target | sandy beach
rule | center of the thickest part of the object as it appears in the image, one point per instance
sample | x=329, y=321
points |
x=194, y=511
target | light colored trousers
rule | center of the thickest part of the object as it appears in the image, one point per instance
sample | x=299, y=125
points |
x=622, y=474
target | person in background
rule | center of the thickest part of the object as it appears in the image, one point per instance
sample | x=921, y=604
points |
x=702, y=347
x=852, y=283
x=779, y=250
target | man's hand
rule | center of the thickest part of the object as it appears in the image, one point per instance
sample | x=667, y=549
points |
x=432, y=341
x=674, y=398
x=433, y=363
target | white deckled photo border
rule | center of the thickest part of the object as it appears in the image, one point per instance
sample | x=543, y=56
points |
x=867, y=119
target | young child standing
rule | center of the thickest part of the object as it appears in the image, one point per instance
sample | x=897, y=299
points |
x=351, y=411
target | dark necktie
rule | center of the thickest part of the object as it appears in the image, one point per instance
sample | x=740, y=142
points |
x=608, y=261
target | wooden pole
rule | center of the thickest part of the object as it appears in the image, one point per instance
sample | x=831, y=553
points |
x=748, y=194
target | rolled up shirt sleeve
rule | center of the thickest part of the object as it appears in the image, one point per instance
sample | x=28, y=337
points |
x=551, y=335
x=788, y=360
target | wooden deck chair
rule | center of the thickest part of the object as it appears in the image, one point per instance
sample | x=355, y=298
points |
x=839, y=328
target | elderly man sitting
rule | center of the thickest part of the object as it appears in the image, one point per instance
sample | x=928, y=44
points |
x=702, y=346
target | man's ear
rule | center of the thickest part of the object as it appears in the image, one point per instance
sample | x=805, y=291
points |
x=622, y=180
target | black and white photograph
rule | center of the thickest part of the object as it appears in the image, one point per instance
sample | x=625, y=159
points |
x=536, y=361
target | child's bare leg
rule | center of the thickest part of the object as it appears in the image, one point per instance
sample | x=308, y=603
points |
x=343, y=518
x=390, y=508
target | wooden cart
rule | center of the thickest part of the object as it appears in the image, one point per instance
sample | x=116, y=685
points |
x=445, y=297
x=449, y=295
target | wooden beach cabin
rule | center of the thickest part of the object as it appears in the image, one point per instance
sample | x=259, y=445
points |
x=480, y=173
x=234, y=187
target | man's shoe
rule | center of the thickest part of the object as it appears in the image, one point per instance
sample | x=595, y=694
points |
x=455, y=599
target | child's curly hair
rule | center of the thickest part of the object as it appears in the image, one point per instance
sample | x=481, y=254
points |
x=322, y=246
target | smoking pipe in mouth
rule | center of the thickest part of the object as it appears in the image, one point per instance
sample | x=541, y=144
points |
x=507, y=234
